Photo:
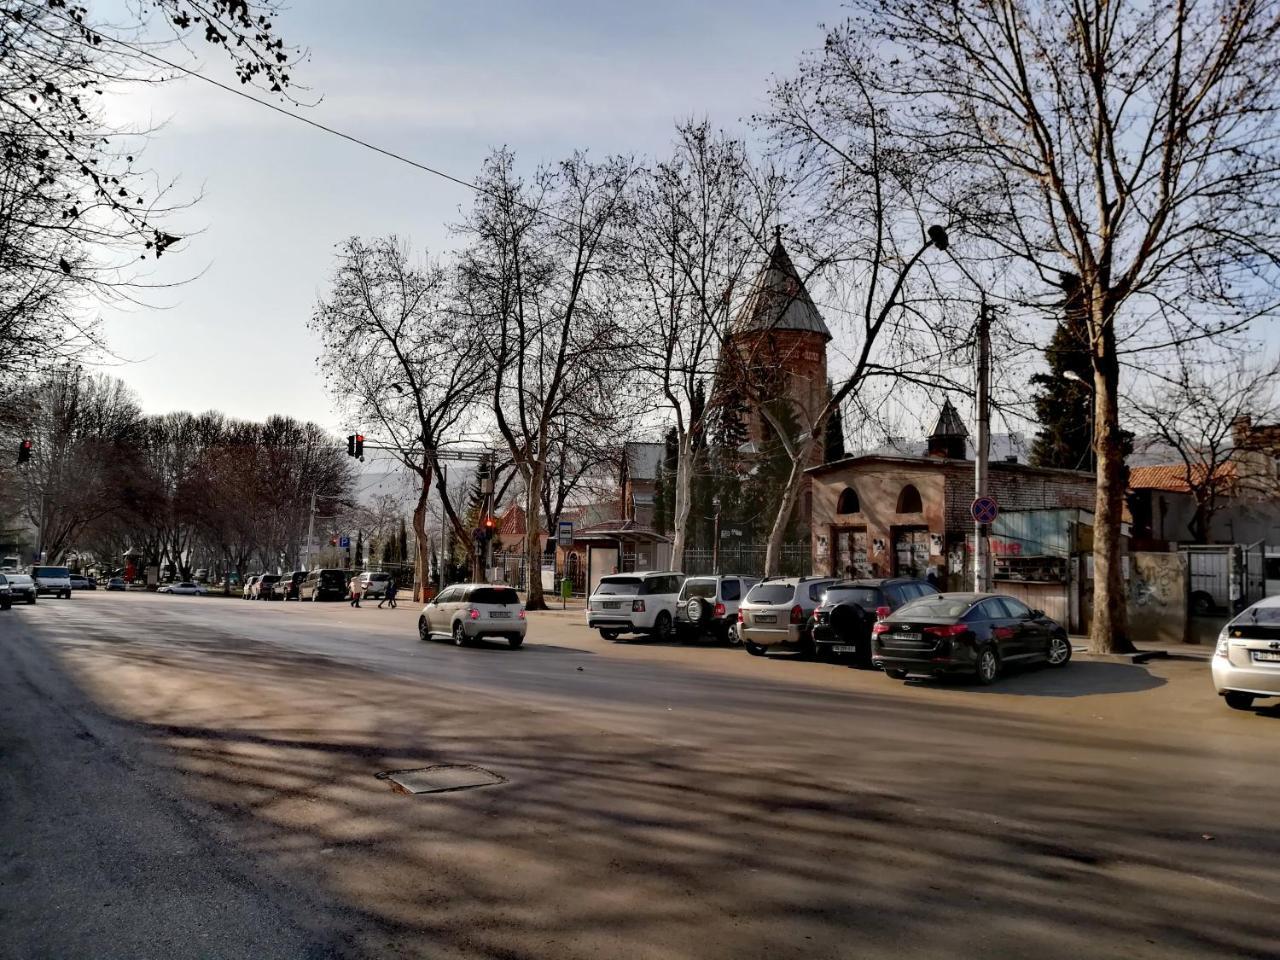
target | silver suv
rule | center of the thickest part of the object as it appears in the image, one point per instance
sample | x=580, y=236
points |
x=468, y=611
x=708, y=606
x=778, y=612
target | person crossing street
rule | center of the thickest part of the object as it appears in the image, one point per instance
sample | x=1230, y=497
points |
x=355, y=591
x=389, y=597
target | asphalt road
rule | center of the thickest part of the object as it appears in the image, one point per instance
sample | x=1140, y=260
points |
x=197, y=777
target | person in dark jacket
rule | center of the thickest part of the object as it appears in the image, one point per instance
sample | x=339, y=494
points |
x=389, y=597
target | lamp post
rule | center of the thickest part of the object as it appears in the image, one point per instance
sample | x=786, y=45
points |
x=715, y=545
x=1076, y=378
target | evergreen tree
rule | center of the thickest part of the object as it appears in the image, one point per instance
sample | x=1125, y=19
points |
x=403, y=544
x=388, y=550
x=1064, y=407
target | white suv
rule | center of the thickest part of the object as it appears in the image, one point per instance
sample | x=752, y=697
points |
x=637, y=603
x=466, y=612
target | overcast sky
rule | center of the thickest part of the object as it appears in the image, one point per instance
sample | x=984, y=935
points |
x=441, y=82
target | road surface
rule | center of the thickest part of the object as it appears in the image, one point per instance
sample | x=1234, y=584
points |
x=198, y=777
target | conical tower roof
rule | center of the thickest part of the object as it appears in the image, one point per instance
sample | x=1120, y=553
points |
x=949, y=423
x=779, y=300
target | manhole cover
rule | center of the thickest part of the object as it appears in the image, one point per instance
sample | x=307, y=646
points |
x=441, y=778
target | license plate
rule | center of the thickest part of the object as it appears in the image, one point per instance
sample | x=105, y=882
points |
x=1267, y=655
x=844, y=648
x=500, y=615
x=906, y=636
x=765, y=618
x=610, y=605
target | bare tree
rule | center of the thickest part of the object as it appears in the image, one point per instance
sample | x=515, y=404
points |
x=866, y=191
x=1195, y=409
x=403, y=362
x=702, y=220
x=540, y=273
x=1129, y=144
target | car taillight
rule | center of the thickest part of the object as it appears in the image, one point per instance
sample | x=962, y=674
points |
x=880, y=627
x=741, y=618
x=522, y=613
x=950, y=630
x=882, y=612
x=473, y=613
x=718, y=611
x=797, y=614
x=637, y=606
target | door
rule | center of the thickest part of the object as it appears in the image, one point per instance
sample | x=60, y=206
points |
x=437, y=621
x=999, y=627
x=1030, y=637
x=850, y=560
x=911, y=552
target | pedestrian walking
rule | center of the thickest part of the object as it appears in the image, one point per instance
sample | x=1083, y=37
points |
x=389, y=596
x=355, y=591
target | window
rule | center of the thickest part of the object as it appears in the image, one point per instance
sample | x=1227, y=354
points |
x=703, y=587
x=620, y=587
x=868, y=598
x=774, y=592
x=816, y=590
x=731, y=590
x=941, y=607
x=1016, y=608
x=493, y=595
x=987, y=610
x=848, y=502
x=909, y=500
x=450, y=594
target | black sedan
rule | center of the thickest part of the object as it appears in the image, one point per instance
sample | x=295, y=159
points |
x=977, y=634
x=842, y=622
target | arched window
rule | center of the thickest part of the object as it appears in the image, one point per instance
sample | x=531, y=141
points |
x=909, y=500
x=848, y=502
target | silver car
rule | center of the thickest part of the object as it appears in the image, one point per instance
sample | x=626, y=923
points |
x=708, y=606
x=778, y=613
x=465, y=612
x=1246, y=663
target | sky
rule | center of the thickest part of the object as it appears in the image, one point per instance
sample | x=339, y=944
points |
x=440, y=82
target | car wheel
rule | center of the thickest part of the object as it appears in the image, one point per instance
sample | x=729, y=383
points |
x=895, y=674
x=1237, y=700
x=459, y=634
x=988, y=666
x=515, y=642
x=754, y=648
x=424, y=632
x=731, y=635
x=662, y=626
x=1059, y=651
x=609, y=635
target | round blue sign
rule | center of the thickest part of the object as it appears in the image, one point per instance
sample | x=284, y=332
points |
x=984, y=510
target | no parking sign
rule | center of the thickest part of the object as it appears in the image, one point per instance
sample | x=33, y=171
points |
x=984, y=510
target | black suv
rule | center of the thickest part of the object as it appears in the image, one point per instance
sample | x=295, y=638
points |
x=842, y=623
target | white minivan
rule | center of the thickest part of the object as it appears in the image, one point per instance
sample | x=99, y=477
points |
x=635, y=603
x=54, y=580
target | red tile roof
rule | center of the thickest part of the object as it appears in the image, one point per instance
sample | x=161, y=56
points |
x=1173, y=477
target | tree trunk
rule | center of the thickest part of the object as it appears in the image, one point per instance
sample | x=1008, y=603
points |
x=533, y=539
x=683, y=498
x=790, y=494
x=1109, y=632
x=421, y=561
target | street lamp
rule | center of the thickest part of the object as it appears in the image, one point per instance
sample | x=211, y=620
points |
x=715, y=545
x=1093, y=401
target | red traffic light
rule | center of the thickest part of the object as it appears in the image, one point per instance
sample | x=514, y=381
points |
x=24, y=451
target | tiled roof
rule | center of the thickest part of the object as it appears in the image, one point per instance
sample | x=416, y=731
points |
x=1172, y=478
x=779, y=300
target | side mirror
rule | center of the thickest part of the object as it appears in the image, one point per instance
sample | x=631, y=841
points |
x=1037, y=614
x=882, y=612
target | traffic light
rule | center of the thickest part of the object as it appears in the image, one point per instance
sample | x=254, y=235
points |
x=489, y=526
x=355, y=445
x=24, y=451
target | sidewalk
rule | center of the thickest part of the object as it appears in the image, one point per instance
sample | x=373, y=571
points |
x=1146, y=651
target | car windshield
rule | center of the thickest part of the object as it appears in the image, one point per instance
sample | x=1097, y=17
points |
x=332, y=578
x=50, y=572
x=936, y=607
x=699, y=588
x=860, y=596
x=270, y=578
x=1269, y=615
x=771, y=593
x=494, y=595
x=620, y=587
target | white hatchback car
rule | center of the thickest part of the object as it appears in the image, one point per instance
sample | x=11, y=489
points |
x=468, y=611
x=1246, y=663
x=636, y=603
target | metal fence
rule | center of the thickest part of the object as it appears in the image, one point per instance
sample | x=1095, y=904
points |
x=748, y=559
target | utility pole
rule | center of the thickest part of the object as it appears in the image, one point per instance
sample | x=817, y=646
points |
x=444, y=486
x=981, y=541
x=311, y=532
x=715, y=544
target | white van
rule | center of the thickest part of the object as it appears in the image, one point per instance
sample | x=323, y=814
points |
x=54, y=580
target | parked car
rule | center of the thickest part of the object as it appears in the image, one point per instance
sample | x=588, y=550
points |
x=842, y=622
x=53, y=580
x=21, y=587
x=978, y=634
x=466, y=612
x=635, y=603
x=708, y=606
x=778, y=613
x=117, y=583
x=1246, y=663
x=184, y=588
x=324, y=585
x=263, y=589
x=286, y=588
x=79, y=582
x=201, y=575
x=249, y=584
x=374, y=584
x=6, y=596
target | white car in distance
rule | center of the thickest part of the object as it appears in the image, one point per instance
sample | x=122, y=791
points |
x=186, y=588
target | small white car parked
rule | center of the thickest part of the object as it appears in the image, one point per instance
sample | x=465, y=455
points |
x=635, y=603
x=1246, y=663
x=186, y=588
x=468, y=611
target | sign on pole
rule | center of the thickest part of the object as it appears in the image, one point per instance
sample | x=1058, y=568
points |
x=345, y=543
x=984, y=510
x=564, y=535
